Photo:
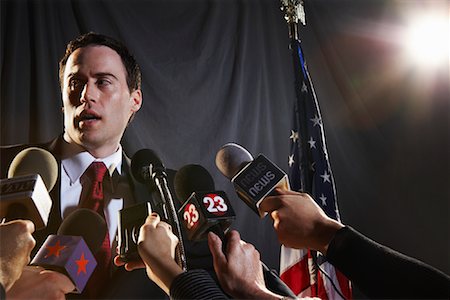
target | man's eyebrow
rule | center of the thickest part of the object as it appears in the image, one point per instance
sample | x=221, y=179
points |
x=105, y=74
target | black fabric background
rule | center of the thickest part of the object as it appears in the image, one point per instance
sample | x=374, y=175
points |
x=221, y=71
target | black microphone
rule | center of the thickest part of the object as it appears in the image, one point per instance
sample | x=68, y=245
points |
x=204, y=209
x=24, y=195
x=71, y=251
x=201, y=213
x=148, y=168
x=253, y=179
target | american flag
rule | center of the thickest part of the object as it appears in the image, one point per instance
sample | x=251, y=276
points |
x=310, y=171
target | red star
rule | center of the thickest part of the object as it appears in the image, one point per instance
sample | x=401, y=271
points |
x=54, y=250
x=81, y=263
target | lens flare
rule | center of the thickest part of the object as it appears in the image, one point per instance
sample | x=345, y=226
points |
x=427, y=41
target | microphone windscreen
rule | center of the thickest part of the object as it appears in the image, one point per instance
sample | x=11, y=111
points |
x=231, y=158
x=85, y=223
x=142, y=159
x=192, y=178
x=35, y=160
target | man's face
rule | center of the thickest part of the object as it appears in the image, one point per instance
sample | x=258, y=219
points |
x=97, y=101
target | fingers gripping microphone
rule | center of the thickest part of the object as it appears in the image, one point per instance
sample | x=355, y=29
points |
x=253, y=179
x=71, y=251
x=148, y=168
x=24, y=195
x=205, y=208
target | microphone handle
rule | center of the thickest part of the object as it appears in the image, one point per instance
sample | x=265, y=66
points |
x=16, y=211
x=163, y=189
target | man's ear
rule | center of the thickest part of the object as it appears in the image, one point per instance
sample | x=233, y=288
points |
x=136, y=98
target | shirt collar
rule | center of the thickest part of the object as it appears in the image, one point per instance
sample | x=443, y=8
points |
x=75, y=165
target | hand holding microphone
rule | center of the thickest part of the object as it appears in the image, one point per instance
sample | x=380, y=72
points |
x=24, y=195
x=16, y=243
x=299, y=222
x=253, y=179
x=148, y=168
x=240, y=272
x=65, y=261
x=156, y=246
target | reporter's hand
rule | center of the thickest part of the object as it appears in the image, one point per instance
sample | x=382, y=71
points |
x=16, y=243
x=239, y=272
x=156, y=246
x=129, y=265
x=37, y=283
x=299, y=222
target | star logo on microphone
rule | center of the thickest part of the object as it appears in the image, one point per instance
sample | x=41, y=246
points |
x=55, y=250
x=81, y=263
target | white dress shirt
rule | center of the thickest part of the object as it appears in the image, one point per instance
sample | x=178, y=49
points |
x=71, y=170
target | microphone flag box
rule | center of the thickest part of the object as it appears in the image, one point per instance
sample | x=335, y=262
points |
x=68, y=255
x=257, y=180
x=25, y=197
x=203, y=210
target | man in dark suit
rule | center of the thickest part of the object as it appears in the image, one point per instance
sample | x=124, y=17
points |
x=101, y=92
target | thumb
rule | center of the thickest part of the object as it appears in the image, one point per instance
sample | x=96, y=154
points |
x=215, y=246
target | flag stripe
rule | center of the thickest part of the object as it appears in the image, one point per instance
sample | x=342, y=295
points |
x=297, y=276
x=310, y=171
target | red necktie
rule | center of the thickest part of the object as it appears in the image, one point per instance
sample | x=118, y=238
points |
x=95, y=201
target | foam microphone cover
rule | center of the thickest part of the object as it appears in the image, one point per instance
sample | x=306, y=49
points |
x=70, y=252
x=231, y=158
x=140, y=163
x=87, y=224
x=35, y=160
x=24, y=194
x=192, y=178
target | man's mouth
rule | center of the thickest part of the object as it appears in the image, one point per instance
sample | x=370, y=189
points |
x=87, y=118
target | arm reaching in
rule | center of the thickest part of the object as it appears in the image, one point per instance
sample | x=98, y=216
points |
x=240, y=271
x=156, y=246
x=299, y=222
x=36, y=282
x=16, y=243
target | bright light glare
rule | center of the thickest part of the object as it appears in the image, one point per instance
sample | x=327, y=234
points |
x=427, y=41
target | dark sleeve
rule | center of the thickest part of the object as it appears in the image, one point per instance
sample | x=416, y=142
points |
x=2, y=292
x=380, y=272
x=195, y=284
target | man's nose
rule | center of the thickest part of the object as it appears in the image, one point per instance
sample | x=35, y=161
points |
x=89, y=93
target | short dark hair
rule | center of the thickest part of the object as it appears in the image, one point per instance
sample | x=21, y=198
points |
x=133, y=75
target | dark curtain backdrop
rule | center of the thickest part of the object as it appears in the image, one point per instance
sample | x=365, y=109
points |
x=221, y=71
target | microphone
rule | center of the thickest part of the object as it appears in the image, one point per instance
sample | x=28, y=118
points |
x=208, y=210
x=205, y=208
x=253, y=179
x=148, y=168
x=70, y=252
x=24, y=195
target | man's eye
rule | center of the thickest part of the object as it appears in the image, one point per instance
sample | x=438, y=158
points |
x=74, y=84
x=103, y=82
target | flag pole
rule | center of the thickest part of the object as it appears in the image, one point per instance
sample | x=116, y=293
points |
x=293, y=13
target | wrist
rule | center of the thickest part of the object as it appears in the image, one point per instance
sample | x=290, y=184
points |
x=327, y=233
x=261, y=293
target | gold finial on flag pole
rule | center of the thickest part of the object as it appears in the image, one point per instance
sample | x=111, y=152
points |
x=294, y=10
